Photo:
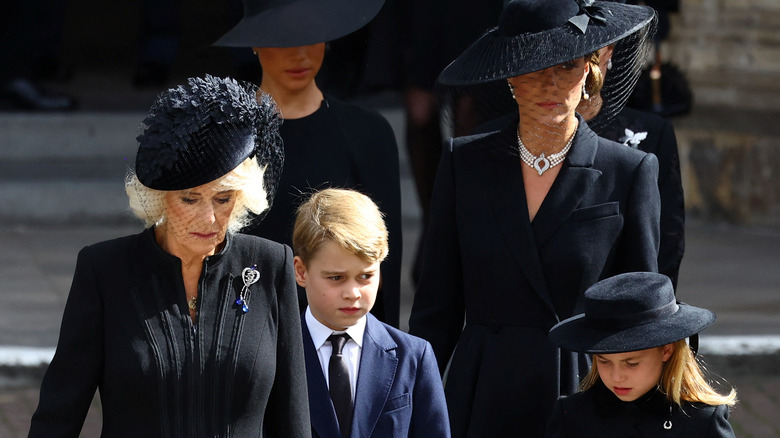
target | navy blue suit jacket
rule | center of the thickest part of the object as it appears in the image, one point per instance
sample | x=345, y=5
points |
x=399, y=391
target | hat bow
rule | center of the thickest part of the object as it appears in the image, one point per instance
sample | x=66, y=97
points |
x=588, y=11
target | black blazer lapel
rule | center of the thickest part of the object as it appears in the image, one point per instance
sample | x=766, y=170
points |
x=323, y=415
x=504, y=181
x=378, y=364
x=570, y=187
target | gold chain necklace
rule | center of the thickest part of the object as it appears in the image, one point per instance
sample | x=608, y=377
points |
x=193, y=303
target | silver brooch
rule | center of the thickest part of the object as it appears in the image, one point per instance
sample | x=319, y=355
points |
x=249, y=276
x=632, y=139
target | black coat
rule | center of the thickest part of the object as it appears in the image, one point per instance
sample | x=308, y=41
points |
x=598, y=413
x=654, y=134
x=127, y=331
x=512, y=280
x=342, y=145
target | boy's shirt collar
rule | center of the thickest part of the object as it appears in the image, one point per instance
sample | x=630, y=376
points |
x=320, y=333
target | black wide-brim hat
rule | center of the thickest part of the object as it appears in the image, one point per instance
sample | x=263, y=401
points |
x=292, y=23
x=630, y=312
x=536, y=34
x=200, y=131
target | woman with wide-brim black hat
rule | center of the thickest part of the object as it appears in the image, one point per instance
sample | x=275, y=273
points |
x=188, y=328
x=645, y=380
x=525, y=218
x=328, y=143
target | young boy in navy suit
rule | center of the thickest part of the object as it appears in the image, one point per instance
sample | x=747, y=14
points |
x=376, y=381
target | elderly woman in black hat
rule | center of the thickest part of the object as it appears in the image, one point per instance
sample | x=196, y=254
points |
x=645, y=380
x=188, y=328
x=327, y=142
x=525, y=218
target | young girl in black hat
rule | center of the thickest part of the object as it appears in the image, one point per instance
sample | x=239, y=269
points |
x=645, y=380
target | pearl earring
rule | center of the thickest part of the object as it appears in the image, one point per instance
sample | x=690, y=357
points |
x=585, y=95
x=609, y=64
x=512, y=90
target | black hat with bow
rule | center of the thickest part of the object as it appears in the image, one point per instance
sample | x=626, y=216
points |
x=536, y=34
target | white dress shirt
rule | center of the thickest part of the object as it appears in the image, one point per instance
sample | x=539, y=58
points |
x=351, y=351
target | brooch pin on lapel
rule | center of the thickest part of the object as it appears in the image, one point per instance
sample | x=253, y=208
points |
x=632, y=139
x=249, y=276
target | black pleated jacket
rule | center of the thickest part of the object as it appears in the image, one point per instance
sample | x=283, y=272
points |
x=127, y=331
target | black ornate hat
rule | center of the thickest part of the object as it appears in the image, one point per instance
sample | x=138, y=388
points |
x=197, y=132
x=291, y=23
x=630, y=312
x=536, y=34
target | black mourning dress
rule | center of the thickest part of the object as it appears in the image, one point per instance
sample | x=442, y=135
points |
x=597, y=412
x=341, y=145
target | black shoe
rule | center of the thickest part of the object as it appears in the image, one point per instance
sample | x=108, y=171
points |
x=151, y=75
x=21, y=93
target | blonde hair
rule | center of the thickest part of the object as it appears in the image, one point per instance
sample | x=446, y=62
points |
x=349, y=218
x=682, y=380
x=595, y=79
x=246, y=179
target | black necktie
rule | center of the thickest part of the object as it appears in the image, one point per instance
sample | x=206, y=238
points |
x=340, y=388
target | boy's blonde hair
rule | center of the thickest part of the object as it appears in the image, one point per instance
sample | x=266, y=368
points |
x=682, y=380
x=349, y=218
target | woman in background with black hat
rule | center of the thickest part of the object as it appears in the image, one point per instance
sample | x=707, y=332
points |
x=188, y=328
x=525, y=218
x=328, y=143
x=645, y=380
x=650, y=133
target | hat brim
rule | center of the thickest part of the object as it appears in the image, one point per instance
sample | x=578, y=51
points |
x=495, y=56
x=301, y=23
x=577, y=334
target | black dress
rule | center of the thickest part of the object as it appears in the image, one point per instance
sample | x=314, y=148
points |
x=510, y=279
x=127, y=331
x=654, y=134
x=598, y=413
x=341, y=145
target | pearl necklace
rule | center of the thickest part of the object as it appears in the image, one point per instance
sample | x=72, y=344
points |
x=542, y=163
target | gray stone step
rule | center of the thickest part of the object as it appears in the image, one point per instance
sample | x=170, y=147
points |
x=70, y=168
x=65, y=168
x=76, y=137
